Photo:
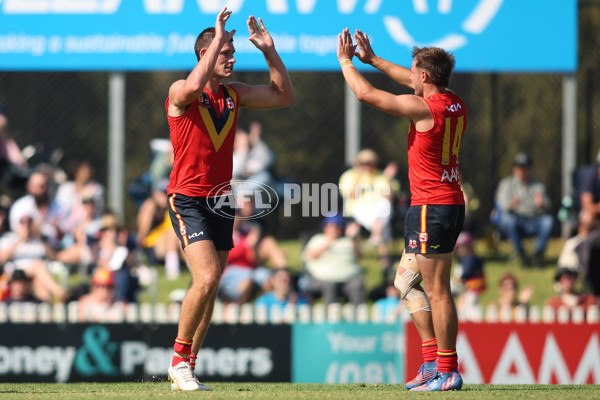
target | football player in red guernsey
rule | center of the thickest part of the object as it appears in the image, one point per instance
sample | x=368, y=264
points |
x=438, y=118
x=202, y=114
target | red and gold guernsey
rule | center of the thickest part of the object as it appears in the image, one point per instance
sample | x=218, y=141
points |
x=433, y=155
x=202, y=140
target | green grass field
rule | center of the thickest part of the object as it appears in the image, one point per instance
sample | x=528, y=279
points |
x=99, y=391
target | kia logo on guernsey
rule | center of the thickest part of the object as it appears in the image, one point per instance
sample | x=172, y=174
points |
x=244, y=199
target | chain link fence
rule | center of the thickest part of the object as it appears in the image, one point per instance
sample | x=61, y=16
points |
x=64, y=117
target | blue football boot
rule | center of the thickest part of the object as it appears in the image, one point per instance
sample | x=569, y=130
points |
x=442, y=381
x=426, y=372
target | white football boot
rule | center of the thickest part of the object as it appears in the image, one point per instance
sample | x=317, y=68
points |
x=182, y=378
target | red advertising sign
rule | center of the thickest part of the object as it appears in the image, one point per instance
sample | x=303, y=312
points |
x=519, y=353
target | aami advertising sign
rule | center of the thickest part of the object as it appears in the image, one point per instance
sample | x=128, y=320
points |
x=520, y=353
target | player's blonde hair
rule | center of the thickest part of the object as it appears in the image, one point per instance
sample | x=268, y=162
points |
x=438, y=63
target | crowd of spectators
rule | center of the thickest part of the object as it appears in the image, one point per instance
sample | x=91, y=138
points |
x=55, y=225
x=45, y=239
x=56, y=228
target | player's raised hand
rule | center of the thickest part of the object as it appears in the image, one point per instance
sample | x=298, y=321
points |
x=259, y=36
x=365, y=51
x=345, y=49
x=222, y=18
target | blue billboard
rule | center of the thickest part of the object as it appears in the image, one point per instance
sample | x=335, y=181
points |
x=347, y=352
x=485, y=35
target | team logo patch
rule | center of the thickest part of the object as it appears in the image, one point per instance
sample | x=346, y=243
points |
x=204, y=101
x=423, y=237
x=230, y=103
x=182, y=230
x=412, y=243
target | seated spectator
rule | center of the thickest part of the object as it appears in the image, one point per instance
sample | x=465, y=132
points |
x=116, y=254
x=79, y=188
x=23, y=249
x=469, y=269
x=161, y=162
x=79, y=244
x=509, y=295
x=155, y=235
x=20, y=289
x=590, y=190
x=569, y=257
x=81, y=202
x=253, y=160
x=281, y=293
x=97, y=304
x=332, y=263
x=38, y=205
x=567, y=295
x=245, y=272
x=367, y=194
x=525, y=208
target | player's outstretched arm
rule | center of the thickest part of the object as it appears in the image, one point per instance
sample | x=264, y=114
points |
x=280, y=92
x=366, y=54
x=183, y=92
x=409, y=106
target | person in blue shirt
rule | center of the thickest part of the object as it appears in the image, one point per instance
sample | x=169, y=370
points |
x=282, y=292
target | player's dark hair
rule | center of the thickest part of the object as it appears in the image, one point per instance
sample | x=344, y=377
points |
x=438, y=63
x=204, y=39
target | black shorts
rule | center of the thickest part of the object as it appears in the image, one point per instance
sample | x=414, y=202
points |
x=203, y=218
x=432, y=229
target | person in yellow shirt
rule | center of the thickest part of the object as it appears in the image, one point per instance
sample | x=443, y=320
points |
x=155, y=233
x=367, y=193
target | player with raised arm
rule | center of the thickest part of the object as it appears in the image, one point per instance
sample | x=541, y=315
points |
x=438, y=118
x=202, y=114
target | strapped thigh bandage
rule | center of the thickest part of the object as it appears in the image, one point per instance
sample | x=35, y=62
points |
x=407, y=282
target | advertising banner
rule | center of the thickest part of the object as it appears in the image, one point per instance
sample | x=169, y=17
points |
x=122, y=352
x=520, y=353
x=347, y=353
x=485, y=35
